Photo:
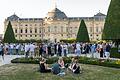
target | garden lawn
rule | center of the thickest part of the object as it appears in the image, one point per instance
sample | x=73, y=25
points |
x=30, y=72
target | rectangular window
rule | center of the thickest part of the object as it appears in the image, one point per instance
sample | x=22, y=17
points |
x=43, y=30
x=62, y=35
x=21, y=31
x=30, y=30
x=15, y=30
x=35, y=30
x=25, y=30
x=40, y=35
x=35, y=24
x=40, y=30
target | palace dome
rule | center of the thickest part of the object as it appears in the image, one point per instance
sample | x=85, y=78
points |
x=56, y=14
x=13, y=17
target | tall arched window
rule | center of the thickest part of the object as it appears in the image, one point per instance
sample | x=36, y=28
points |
x=35, y=30
x=31, y=30
x=15, y=30
x=26, y=30
x=40, y=30
x=21, y=30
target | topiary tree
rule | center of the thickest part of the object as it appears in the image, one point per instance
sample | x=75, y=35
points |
x=111, y=29
x=9, y=36
x=82, y=35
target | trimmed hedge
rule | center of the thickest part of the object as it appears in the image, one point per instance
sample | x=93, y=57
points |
x=83, y=60
x=114, y=53
x=26, y=60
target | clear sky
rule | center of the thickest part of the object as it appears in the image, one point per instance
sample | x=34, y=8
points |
x=39, y=8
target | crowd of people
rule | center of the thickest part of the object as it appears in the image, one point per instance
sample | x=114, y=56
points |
x=58, y=49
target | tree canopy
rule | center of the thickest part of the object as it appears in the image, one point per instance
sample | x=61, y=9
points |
x=82, y=35
x=111, y=29
x=9, y=36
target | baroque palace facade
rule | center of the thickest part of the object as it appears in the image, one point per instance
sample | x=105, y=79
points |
x=55, y=26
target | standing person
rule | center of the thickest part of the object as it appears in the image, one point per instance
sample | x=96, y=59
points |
x=27, y=49
x=41, y=50
x=6, y=47
x=17, y=49
x=101, y=50
x=65, y=49
x=59, y=49
x=32, y=50
x=22, y=49
x=2, y=51
x=78, y=49
x=49, y=50
x=107, y=51
x=86, y=48
x=45, y=51
x=93, y=49
x=74, y=47
x=55, y=48
x=11, y=49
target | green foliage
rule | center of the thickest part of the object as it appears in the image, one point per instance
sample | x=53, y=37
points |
x=114, y=53
x=31, y=72
x=82, y=35
x=26, y=60
x=9, y=36
x=112, y=28
x=68, y=40
x=83, y=60
x=28, y=41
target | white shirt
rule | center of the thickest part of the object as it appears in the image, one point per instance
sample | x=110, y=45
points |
x=32, y=47
x=17, y=46
x=100, y=46
x=11, y=46
x=26, y=47
x=65, y=46
x=78, y=46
